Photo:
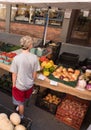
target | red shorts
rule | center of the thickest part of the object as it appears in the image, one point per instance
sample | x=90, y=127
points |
x=21, y=95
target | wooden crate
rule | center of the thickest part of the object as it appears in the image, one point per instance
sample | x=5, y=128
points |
x=72, y=111
x=46, y=104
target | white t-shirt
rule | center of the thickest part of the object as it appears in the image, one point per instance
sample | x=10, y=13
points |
x=24, y=65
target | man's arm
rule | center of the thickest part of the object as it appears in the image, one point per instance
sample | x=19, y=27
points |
x=14, y=77
x=34, y=75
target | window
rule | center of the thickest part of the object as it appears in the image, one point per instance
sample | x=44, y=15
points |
x=81, y=31
x=20, y=13
x=25, y=13
x=81, y=26
x=2, y=12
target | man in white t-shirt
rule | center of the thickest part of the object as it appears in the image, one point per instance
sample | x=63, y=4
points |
x=24, y=67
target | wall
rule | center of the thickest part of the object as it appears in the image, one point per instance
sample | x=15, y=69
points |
x=53, y=33
x=2, y=26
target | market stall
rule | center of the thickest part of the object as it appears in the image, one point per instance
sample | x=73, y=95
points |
x=46, y=82
x=84, y=94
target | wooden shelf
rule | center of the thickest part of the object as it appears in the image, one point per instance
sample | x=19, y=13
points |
x=84, y=94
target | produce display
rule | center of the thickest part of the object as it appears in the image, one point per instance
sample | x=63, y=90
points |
x=8, y=118
x=49, y=100
x=7, y=47
x=7, y=57
x=72, y=111
x=15, y=119
x=52, y=99
x=20, y=127
x=85, y=79
x=47, y=65
x=66, y=74
x=11, y=123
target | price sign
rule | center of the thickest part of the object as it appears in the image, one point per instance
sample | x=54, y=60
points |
x=52, y=82
x=41, y=76
x=85, y=13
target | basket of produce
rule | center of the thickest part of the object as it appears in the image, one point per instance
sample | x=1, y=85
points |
x=86, y=77
x=8, y=47
x=3, y=55
x=68, y=76
x=7, y=62
x=72, y=111
x=10, y=120
x=11, y=54
x=49, y=100
x=1, y=60
x=47, y=65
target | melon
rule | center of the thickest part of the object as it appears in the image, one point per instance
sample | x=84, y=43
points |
x=20, y=127
x=15, y=118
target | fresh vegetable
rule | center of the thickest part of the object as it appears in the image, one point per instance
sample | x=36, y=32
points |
x=15, y=118
x=47, y=65
x=43, y=58
x=43, y=64
x=46, y=73
x=5, y=123
x=88, y=86
x=20, y=127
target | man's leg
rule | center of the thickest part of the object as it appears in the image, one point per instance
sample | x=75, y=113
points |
x=21, y=110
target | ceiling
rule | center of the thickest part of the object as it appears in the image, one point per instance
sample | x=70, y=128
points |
x=64, y=4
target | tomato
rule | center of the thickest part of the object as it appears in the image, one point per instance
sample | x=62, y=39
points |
x=43, y=58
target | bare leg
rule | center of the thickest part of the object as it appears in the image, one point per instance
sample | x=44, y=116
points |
x=21, y=110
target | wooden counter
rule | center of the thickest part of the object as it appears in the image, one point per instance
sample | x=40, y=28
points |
x=84, y=94
x=5, y=67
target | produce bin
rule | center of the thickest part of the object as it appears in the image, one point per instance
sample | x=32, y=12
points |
x=69, y=59
x=49, y=106
x=72, y=111
x=27, y=122
x=7, y=47
x=6, y=84
x=64, y=76
x=70, y=83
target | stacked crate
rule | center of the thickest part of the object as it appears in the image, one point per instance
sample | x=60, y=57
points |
x=49, y=100
x=72, y=111
x=69, y=59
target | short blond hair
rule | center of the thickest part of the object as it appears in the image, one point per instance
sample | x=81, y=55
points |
x=26, y=41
